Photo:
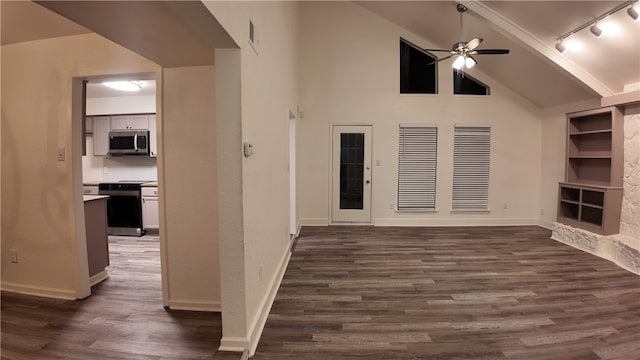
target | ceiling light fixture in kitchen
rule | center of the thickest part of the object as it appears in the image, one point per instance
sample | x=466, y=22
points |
x=124, y=85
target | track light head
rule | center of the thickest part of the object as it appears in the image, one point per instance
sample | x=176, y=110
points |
x=561, y=47
x=596, y=30
x=633, y=13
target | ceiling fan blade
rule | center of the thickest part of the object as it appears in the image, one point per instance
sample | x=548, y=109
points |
x=437, y=50
x=444, y=58
x=473, y=43
x=491, y=51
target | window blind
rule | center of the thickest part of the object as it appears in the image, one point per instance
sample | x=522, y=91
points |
x=417, y=167
x=471, y=167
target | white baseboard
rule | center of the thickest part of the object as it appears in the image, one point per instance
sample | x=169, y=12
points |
x=39, y=291
x=314, y=222
x=454, y=222
x=101, y=276
x=211, y=306
x=236, y=344
x=260, y=319
x=546, y=224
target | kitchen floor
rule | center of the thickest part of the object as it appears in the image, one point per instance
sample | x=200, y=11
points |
x=122, y=319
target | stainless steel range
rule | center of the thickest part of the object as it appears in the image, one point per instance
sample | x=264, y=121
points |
x=124, y=207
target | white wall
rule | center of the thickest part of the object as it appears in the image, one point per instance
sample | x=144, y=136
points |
x=553, y=150
x=350, y=75
x=268, y=91
x=189, y=197
x=121, y=105
x=39, y=200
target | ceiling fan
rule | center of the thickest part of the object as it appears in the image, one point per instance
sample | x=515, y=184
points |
x=463, y=50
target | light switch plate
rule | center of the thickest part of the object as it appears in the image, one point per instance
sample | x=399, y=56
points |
x=60, y=155
x=248, y=149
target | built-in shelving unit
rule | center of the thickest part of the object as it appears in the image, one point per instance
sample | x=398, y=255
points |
x=591, y=196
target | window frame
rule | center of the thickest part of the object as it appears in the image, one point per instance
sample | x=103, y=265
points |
x=435, y=69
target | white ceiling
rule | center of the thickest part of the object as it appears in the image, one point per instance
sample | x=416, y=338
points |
x=98, y=90
x=533, y=69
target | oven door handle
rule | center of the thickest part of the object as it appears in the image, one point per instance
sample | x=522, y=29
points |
x=120, y=193
x=135, y=142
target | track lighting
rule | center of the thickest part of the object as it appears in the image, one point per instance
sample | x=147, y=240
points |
x=633, y=13
x=598, y=30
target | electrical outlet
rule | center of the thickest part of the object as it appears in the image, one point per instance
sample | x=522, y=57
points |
x=391, y=206
x=260, y=272
x=505, y=205
x=541, y=211
x=14, y=255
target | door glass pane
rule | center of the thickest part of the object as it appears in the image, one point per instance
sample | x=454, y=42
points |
x=351, y=171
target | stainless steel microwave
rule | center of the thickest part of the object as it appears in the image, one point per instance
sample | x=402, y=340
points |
x=129, y=142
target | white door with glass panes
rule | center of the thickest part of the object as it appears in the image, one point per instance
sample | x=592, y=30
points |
x=351, y=174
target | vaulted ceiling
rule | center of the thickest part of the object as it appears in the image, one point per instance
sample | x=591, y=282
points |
x=534, y=69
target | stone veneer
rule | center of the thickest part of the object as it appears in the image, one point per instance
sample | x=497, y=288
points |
x=622, y=248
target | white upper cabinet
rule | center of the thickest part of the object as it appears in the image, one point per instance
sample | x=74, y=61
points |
x=153, y=143
x=130, y=122
x=101, y=129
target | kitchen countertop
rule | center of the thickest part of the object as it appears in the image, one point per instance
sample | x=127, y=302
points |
x=94, y=197
x=96, y=183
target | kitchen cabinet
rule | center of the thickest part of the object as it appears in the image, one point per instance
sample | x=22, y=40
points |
x=90, y=190
x=101, y=127
x=130, y=122
x=150, y=216
x=95, y=218
x=153, y=141
x=88, y=125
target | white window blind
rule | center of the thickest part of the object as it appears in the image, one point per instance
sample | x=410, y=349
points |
x=471, y=167
x=417, y=167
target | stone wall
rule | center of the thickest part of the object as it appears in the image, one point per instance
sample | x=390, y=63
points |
x=630, y=216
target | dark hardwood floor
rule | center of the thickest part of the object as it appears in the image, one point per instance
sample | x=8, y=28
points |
x=450, y=293
x=123, y=319
x=361, y=293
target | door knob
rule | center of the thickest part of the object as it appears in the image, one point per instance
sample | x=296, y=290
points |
x=368, y=181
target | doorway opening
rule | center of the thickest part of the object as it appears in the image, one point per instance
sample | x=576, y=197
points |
x=129, y=179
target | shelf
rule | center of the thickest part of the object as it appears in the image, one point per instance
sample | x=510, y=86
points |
x=589, y=170
x=583, y=157
x=591, y=196
x=590, y=122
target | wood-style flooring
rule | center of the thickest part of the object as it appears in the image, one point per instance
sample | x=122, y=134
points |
x=450, y=293
x=123, y=319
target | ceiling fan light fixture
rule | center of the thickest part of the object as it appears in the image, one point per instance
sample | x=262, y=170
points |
x=459, y=63
x=596, y=30
x=470, y=62
x=633, y=13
